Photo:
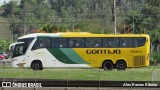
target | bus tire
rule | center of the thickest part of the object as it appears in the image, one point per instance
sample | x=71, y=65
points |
x=121, y=65
x=36, y=65
x=107, y=65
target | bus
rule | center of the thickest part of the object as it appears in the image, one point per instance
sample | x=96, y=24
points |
x=81, y=50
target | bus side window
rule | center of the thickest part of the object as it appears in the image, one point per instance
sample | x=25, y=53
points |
x=93, y=42
x=112, y=42
x=41, y=43
x=139, y=42
x=58, y=42
x=36, y=45
x=76, y=42
x=123, y=42
x=73, y=43
x=104, y=42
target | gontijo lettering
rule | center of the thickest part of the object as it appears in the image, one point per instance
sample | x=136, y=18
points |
x=103, y=51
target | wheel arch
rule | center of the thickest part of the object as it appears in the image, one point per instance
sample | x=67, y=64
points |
x=110, y=60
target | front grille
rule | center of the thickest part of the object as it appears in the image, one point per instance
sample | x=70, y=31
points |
x=138, y=61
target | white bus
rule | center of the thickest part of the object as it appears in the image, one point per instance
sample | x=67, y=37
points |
x=26, y=54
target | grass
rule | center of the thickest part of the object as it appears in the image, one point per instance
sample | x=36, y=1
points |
x=131, y=74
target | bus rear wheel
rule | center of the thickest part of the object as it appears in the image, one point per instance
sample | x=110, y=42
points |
x=107, y=65
x=36, y=65
x=121, y=65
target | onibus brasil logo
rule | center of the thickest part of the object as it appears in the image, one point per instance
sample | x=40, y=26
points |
x=15, y=84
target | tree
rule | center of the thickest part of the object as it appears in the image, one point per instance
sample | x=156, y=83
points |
x=134, y=21
x=4, y=44
x=150, y=11
x=50, y=28
x=10, y=8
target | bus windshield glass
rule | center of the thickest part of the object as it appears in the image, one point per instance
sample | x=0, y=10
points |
x=19, y=50
x=27, y=41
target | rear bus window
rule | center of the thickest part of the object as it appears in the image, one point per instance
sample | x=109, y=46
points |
x=139, y=42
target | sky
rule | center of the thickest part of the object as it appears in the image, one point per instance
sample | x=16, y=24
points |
x=2, y=1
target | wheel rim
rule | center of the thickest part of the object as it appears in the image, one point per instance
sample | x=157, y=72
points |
x=36, y=66
x=121, y=66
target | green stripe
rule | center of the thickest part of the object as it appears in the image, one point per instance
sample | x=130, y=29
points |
x=66, y=55
x=70, y=53
x=58, y=54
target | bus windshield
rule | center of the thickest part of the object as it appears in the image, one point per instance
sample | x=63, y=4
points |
x=26, y=42
x=19, y=49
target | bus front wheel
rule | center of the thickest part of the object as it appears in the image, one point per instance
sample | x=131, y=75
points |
x=36, y=65
x=121, y=65
x=107, y=65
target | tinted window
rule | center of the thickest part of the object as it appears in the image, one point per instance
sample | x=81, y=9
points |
x=139, y=42
x=27, y=42
x=42, y=43
x=112, y=42
x=118, y=42
x=125, y=42
x=75, y=42
x=93, y=42
x=18, y=50
x=59, y=42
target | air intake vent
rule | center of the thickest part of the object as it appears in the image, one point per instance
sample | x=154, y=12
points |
x=138, y=61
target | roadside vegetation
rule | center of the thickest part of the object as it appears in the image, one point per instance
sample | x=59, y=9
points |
x=130, y=74
x=80, y=74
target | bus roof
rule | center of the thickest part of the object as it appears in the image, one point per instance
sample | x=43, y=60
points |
x=81, y=34
x=50, y=34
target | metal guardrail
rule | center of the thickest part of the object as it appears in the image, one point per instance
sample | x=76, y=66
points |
x=5, y=62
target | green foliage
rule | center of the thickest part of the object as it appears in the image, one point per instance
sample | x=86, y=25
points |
x=93, y=27
x=154, y=35
x=50, y=28
x=4, y=45
x=155, y=57
x=135, y=22
x=10, y=8
x=150, y=11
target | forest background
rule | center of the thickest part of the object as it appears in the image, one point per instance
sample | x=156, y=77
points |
x=21, y=17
